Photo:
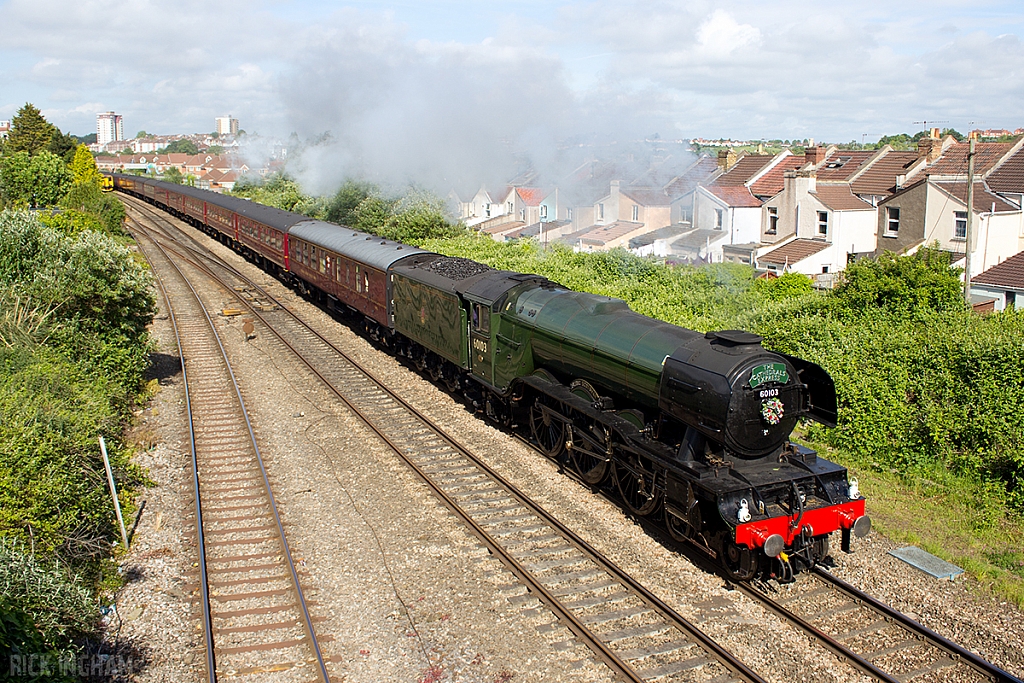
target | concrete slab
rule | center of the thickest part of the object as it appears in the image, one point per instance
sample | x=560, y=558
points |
x=927, y=562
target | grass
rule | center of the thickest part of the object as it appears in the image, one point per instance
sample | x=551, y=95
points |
x=958, y=520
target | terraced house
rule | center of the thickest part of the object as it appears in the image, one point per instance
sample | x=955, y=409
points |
x=931, y=206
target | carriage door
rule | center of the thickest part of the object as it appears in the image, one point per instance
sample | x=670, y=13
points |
x=480, y=340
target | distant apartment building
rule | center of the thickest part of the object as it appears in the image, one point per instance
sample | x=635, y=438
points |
x=108, y=128
x=227, y=125
x=5, y=128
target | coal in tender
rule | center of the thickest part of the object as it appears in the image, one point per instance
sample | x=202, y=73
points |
x=456, y=268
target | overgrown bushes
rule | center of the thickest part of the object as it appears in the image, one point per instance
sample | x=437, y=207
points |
x=73, y=349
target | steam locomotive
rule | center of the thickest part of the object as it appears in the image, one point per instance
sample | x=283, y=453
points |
x=692, y=427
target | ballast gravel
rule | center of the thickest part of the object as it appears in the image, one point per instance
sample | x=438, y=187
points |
x=400, y=590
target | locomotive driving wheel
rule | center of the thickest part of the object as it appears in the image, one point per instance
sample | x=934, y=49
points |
x=548, y=431
x=636, y=481
x=586, y=459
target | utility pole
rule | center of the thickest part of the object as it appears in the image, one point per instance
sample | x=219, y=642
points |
x=970, y=220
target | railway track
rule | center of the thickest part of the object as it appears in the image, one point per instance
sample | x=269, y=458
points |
x=626, y=626
x=875, y=638
x=255, y=617
x=628, y=629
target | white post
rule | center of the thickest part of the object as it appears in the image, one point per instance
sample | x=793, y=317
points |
x=113, y=491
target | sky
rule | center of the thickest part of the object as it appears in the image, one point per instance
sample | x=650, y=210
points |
x=446, y=88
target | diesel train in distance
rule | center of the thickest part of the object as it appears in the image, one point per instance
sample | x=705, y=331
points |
x=690, y=427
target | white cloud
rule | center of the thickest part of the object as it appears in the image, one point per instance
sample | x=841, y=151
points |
x=433, y=106
x=720, y=35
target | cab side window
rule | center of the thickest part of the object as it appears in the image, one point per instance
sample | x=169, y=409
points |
x=481, y=318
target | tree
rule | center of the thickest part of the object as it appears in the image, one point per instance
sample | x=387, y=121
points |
x=36, y=181
x=215, y=150
x=83, y=167
x=141, y=134
x=173, y=175
x=30, y=132
x=63, y=145
x=182, y=146
x=903, y=285
x=343, y=205
x=952, y=131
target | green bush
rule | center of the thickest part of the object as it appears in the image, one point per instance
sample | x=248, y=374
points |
x=43, y=608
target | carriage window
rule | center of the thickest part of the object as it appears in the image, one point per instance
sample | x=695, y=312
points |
x=366, y=282
x=359, y=281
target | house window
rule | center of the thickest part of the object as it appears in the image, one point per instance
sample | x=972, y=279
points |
x=636, y=212
x=488, y=211
x=960, y=225
x=773, y=220
x=600, y=211
x=892, y=220
x=824, y=270
x=510, y=208
x=823, y=222
x=543, y=211
x=522, y=214
x=568, y=214
x=719, y=218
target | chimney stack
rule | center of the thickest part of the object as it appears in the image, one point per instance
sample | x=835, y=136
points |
x=814, y=155
x=726, y=159
x=929, y=148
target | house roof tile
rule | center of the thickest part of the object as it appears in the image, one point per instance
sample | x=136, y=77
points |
x=843, y=163
x=531, y=196
x=984, y=200
x=603, y=234
x=880, y=177
x=744, y=169
x=1009, y=177
x=645, y=197
x=684, y=183
x=954, y=160
x=793, y=252
x=1009, y=274
x=734, y=196
x=771, y=183
x=839, y=197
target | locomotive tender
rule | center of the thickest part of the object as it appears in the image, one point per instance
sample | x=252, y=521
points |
x=694, y=427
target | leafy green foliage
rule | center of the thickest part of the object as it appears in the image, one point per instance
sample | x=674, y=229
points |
x=30, y=132
x=73, y=347
x=786, y=286
x=100, y=295
x=902, y=285
x=415, y=217
x=42, y=606
x=183, y=146
x=173, y=175
x=278, y=190
x=83, y=167
x=342, y=207
x=36, y=181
